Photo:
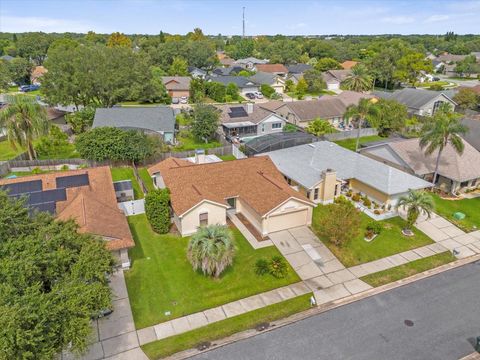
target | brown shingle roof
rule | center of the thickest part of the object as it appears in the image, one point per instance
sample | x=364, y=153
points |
x=452, y=165
x=326, y=108
x=176, y=82
x=272, y=68
x=93, y=207
x=255, y=180
x=258, y=114
x=347, y=65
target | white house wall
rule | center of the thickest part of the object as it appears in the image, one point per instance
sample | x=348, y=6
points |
x=190, y=221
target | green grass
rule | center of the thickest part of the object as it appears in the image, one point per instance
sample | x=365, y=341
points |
x=409, y=269
x=389, y=242
x=224, y=328
x=350, y=143
x=126, y=173
x=470, y=207
x=227, y=157
x=428, y=84
x=162, y=279
x=7, y=152
x=187, y=142
x=65, y=152
x=146, y=178
x=27, y=173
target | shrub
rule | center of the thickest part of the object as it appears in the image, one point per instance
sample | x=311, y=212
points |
x=356, y=197
x=267, y=90
x=377, y=212
x=339, y=224
x=436, y=87
x=367, y=202
x=375, y=227
x=349, y=193
x=53, y=143
x=37, y=170
x=278, y=267
x=261, y=267
x=158, y=211
x=64, y=167
x=341, y=200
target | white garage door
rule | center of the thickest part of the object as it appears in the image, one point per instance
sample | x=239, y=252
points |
x=287, y=221
x=278, y=89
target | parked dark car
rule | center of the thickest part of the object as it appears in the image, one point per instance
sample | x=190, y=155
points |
x=27, y=88
x=251, y=96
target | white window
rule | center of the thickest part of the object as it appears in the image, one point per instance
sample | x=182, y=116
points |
x=315, y=194
x=276, y=125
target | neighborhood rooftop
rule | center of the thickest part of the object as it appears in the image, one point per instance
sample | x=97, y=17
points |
x=413, y=98
x=305, y=164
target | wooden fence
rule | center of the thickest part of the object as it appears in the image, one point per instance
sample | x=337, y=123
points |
x=350, y=134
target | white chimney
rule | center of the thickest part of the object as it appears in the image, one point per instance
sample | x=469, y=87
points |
x=249, y=108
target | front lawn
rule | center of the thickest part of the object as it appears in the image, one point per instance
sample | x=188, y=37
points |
x=126, y=173
x=146, y=178
x=408, y=269
x=227, y=327
x=470, y=207
x=389, y=242
x=162, y=279
x=351, y=143
x=188, y=142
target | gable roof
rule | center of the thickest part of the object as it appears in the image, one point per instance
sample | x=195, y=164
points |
x=272, y=68
x=240, y=81
x=259, y=113
x=472, y=122
x=252, y=60
x=255, y=180
x=305, y=164
x=176, y=82
x=153, y=118
x=452, y=165
x=336, y=75
x=451, y=57
x=92, y=206
x=298, y=68
x=347, y=65
x=306, y=110
x=349, y=97
x=265, y=78
x=413, y=98
x=228, y=70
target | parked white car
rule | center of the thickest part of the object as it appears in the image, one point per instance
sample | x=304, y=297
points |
x=258, y=95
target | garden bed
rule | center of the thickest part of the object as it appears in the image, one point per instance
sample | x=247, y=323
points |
x=161, y=278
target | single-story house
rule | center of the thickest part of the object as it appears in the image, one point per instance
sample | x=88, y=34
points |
x=203, y=194
x=196, y=72
x=86, y=196
x=472, y=122
x=333, y=78
x=177, y=86
x=298, y=68
x=295, y=77
x=323, y=170
x=450, y=58
x=348, y=64
x=224, y=59
x=250, y=63
x=277, y=69
x=245, y=85
x=232, y=70
x=245, y=121
x=418, y=101
x=157, y=120
x=457, y=173
x=37, y=73
x=265, y=78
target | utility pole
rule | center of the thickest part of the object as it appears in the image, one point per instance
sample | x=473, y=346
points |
x=243, y=22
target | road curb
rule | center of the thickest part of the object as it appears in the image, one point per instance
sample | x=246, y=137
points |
x=326, y=307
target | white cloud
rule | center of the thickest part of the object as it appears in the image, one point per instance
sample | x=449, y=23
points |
x=436, y=18
x=398, y=20
x=45, y=24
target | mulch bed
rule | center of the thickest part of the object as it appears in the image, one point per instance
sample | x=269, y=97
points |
x=251, y=228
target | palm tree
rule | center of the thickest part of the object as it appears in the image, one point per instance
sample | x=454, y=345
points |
x=211, y=249
x=444, y=128
x=365, y=110
x=416, y=203
x=24, y=120
x=319, y=127
x=358, y=80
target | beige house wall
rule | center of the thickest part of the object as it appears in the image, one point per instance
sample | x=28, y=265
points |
x=178, y=93
x=293, y=213
x=190, y=221
x=371, y=192
x=252, y=216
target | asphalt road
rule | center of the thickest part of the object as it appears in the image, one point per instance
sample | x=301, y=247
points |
x=445, y=310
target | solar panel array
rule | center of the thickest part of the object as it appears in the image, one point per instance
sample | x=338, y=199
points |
x=44, y=200
x=236, y=112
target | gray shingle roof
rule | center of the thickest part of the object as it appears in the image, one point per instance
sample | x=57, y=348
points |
x=155, y=118
x=413, y=98
x=305, y=164
x=240, y=81
x=263, y=78
x=298, y=68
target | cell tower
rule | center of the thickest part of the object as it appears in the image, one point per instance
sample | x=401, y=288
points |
x=243, y=22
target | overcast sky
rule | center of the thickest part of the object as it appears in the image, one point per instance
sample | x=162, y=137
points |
x=225, y=16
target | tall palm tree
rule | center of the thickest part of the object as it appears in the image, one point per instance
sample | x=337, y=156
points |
x=366, y=110
x=211, y=249
x=24, y=120
x=416, y=203
x=442, y=129
x=358, y=80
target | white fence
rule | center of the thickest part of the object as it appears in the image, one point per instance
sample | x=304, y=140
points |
x=351, y=134
x=133, y=207
x=237, y=153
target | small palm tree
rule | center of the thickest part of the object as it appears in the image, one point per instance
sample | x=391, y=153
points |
x=366, y=110
x=319, y=127
x=358, y=80
x=444, y=128
x=24, y=120
x=211, y=249
x=416, y=203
